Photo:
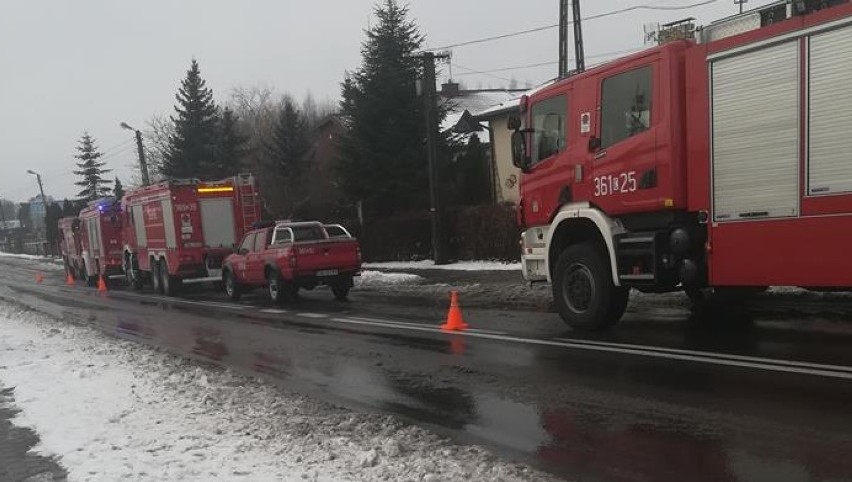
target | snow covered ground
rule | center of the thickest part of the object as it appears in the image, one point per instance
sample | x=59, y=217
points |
x=4, y=254
x=460, y=266
x=115, y=410
x=377, y=279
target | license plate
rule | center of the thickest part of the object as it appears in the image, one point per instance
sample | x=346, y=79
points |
x=327, y=272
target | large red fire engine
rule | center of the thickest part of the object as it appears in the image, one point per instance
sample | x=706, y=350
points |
x=100, y=240
x=183, y=229
x=722, y=162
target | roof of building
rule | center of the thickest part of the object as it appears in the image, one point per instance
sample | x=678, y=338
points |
x=474, y=101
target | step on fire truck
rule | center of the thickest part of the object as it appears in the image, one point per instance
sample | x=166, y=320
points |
x=721, y=162
x=100, y=232
x=182, y=230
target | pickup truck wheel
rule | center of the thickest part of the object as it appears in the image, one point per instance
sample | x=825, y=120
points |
x=156, y=281
x=232, y=288
x=171, y=284
x=275, y=287
x=341, y=289
x=583, y=291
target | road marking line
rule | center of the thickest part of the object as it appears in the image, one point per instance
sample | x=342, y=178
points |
x=765, y=364
x=214, y=304
x=710, y=354
x=406, y=323
x=315, y=316
x=274, y=312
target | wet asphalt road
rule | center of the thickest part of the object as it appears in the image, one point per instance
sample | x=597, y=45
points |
x=729, y=396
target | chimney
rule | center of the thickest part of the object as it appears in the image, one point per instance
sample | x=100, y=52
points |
x=450, y=89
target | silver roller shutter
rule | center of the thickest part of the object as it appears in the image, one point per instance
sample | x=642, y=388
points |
x=217, y=222
x=756, y=134
x=830, y=126
x=169, y=224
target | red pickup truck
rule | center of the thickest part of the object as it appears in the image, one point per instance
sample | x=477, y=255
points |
x=289, y=256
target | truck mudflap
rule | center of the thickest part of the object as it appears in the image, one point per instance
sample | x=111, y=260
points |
x=534, y=254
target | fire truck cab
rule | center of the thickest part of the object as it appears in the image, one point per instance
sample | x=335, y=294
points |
x=720, y=162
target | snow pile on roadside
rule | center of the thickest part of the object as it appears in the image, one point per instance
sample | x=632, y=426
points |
x=116, y=410
x=460, y=266
x=374, y=279
x=4, y=254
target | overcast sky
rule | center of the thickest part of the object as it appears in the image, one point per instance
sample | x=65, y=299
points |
x=68, y=67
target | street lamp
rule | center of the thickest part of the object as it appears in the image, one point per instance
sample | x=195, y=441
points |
x=40, y=186
x=143, y=165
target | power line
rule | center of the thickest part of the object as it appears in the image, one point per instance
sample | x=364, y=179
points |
x=591, y=17
x=543, y=64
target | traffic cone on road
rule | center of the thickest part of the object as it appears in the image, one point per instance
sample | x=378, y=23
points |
x=455, y=321
x=102, y=287
x=39, y=277
x=70, y=280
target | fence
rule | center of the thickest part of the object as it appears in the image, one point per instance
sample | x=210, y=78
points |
x=473, y=233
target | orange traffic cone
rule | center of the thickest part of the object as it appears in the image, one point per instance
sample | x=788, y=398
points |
x=102, y=287
x=70, y=280
x=454, y=322
x=39, y=277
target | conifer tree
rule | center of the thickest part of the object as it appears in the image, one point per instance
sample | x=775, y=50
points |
x=285, y=160
x=118, y=189
x=91, y=170
x=192, y=147
x=383, y=157
x=231, y=146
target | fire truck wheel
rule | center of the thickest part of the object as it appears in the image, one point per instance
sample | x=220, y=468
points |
x=232, y=288
x=156, y=281
x=583, y=291
x=171, y=284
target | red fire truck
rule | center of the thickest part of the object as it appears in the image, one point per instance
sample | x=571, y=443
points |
x=100, y=231
x=69, y=245
x=719, y=162
x=183, y=229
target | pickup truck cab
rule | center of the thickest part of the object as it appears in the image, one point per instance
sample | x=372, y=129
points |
x=287, y=257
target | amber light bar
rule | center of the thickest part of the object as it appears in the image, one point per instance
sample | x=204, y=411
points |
x=209, y=190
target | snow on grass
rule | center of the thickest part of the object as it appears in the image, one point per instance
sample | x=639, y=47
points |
x=379, y=279
x=117, y=410
x=460, y=266
x=4, y=254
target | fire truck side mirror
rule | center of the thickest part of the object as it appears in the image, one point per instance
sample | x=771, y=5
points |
x=520, y=157
x=594, y=143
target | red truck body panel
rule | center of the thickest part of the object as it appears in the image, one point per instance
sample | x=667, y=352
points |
x=101, y=238
x=191, y=225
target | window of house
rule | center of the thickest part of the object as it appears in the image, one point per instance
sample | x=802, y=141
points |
x=248, y=243
x=626, y=106
x=549, y=134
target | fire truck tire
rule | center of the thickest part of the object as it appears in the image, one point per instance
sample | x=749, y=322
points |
x=232, y=288
x=171, y=284
x=156, y=280
x=583, y=291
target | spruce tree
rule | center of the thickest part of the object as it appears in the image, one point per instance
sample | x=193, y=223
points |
x=231, y=146
x=285, y=161
x=91, y=170
x=192, y=147
x=118, y=189
x=383, y=157
x=473, y=176
x=68, y=209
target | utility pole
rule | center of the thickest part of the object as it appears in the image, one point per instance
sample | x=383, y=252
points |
x=579, y=51
x=430, y=109
x=143, y=164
